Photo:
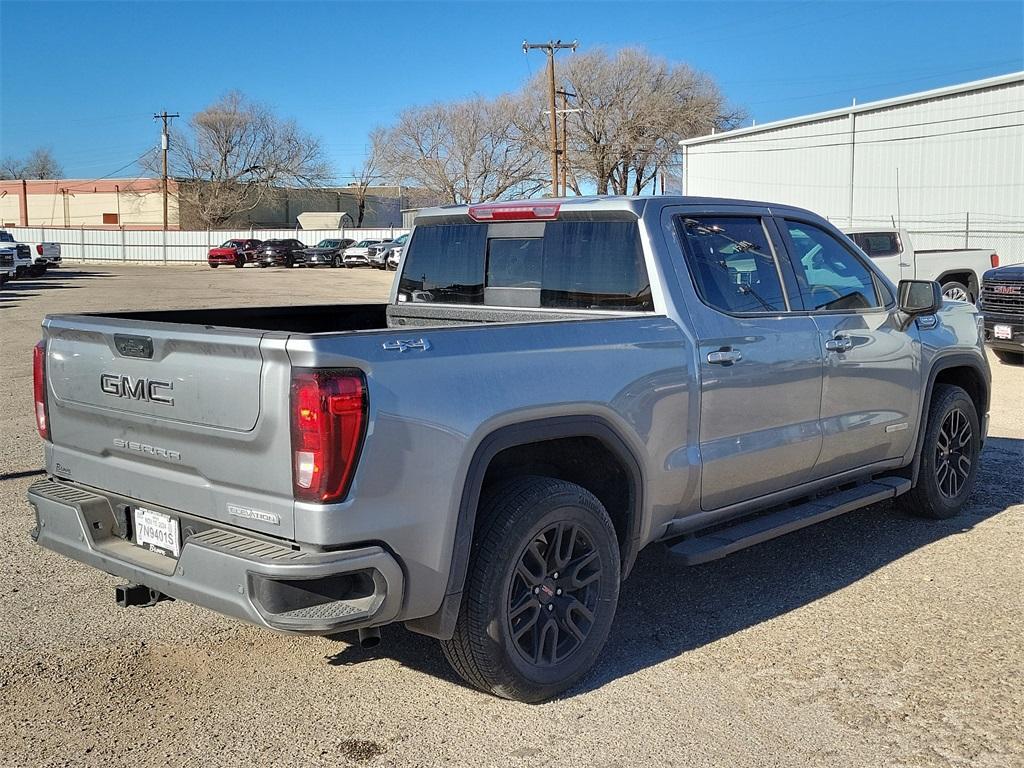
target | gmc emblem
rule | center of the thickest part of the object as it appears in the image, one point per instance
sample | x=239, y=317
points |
x=1006, y=289
x=118, y=385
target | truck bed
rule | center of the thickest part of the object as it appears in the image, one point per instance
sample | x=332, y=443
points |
x=317, y=318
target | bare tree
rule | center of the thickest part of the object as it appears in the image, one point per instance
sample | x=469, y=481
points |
x=234, y=154
x=467, y=151
x=369, y=173
x=40, y=164
x=634, y=108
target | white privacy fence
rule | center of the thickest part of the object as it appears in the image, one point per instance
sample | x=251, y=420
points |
x=173, y=246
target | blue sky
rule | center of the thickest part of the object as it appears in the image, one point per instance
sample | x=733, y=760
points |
x=86, y=77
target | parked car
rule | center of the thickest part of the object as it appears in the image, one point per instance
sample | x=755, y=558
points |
x=286, y=253
x=328, y=252
x=562, y=383
x=958, y=271
x=234, y=252
x=394, y=257
x=25, y=263
x=377, y=255
x=358, y=255
x=1002, y=303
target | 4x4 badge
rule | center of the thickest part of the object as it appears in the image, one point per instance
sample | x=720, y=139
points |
x=404, y=345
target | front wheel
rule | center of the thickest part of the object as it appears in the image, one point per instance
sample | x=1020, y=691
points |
x=239, y=262
x=336, y=262
x=541, y=590
x=214, y=266
x=949, y=458
x=957, y=292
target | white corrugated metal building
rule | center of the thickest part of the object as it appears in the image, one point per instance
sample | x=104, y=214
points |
x=946, y=164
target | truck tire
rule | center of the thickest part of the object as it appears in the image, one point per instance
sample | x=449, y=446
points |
x=541, y=590
x=1009, y=357
x=957, y=292
x=949, y=456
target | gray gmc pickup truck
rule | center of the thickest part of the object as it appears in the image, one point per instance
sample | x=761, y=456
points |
x=553, y=386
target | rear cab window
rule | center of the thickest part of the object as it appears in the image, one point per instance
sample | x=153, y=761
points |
x=562, y=264
x=876, y=244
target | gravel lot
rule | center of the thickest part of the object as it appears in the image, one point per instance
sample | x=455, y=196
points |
x=871, y=640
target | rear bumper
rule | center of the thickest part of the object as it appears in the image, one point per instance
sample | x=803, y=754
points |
x=260, y=581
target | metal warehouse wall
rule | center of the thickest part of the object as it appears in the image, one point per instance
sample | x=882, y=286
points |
x=948, y=165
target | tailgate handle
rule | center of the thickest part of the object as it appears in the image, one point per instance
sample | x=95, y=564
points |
x=134, y=346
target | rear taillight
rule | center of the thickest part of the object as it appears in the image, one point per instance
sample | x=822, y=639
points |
x=39, y=389
x=994, y=259
x=39, y=249
x=328, y=423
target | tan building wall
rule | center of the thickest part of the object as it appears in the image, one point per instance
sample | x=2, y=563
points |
x=132, y=203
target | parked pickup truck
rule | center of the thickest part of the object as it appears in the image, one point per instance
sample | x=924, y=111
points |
x=32, y=259
x=553, y=386
x=957, y=271
x=7, y=257
x=1002, y=304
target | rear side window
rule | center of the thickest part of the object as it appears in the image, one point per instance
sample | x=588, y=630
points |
x=732, y=264
x=878, y=243
x=572, y=265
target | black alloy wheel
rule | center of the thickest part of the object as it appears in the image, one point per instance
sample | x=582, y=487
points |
x=553, y=594
x=541, y=590
x=953, y=458
x=949, y=456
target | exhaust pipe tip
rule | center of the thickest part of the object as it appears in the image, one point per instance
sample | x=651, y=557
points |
x=369, y=638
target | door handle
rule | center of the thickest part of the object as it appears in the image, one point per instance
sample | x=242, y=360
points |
x=839, y=344
x=725, y=357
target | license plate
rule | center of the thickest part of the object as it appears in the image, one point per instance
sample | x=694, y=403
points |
x=1002, y=332
x=156, y=532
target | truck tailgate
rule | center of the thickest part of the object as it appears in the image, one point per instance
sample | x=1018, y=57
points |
x=174, y=415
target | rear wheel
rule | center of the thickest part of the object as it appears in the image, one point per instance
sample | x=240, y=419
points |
x=949, y=458
x=289, y=262
x=541, y=590
x=957, y=292
x=1008, y=357
x=239, y=262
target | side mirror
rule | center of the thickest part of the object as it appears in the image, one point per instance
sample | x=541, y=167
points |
x=917, y=297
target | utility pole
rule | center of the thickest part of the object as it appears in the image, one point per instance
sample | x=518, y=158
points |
x=165, y=144
x=565, y=136
x=550, y=47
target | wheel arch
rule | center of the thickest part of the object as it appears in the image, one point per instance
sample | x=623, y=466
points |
x=965, y=276
x=965, y=371
x=538, y=432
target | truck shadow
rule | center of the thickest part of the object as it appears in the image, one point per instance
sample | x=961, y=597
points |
x=14, y=291
x=666, y=610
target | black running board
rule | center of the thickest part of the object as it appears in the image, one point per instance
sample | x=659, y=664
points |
x=724, y=541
